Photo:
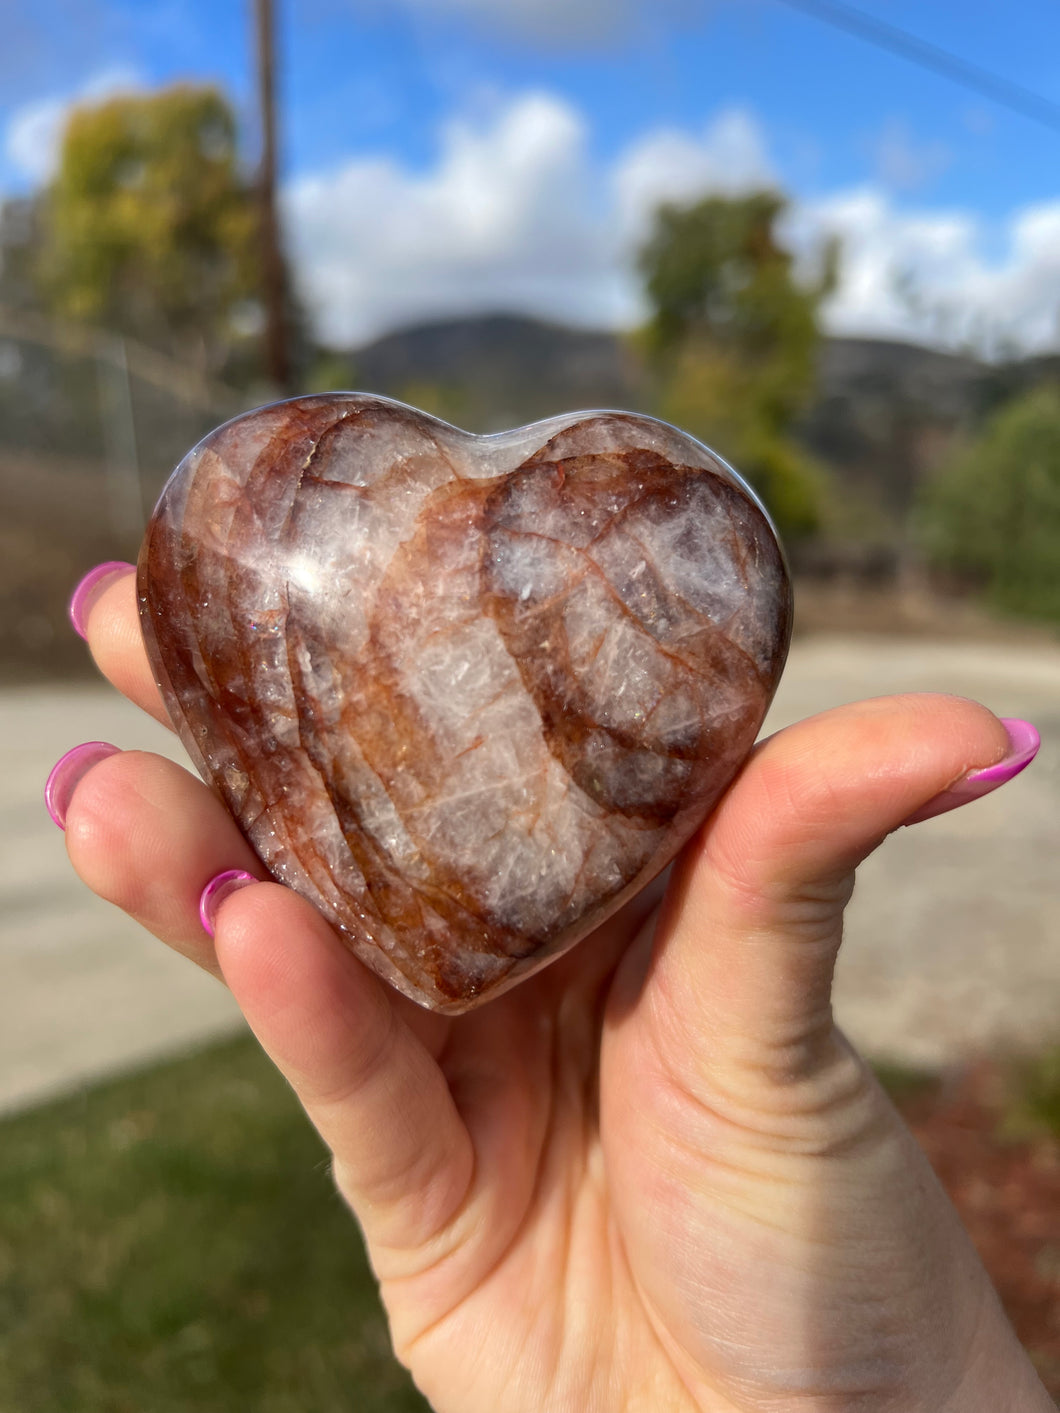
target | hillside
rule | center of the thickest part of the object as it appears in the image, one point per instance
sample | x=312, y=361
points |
x=494, y=372
x=884, y=415
x=83, y=454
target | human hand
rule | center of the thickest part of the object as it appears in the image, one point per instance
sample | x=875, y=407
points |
x=654, y=1176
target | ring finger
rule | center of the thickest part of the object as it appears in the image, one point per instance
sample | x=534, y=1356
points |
x=148, y=836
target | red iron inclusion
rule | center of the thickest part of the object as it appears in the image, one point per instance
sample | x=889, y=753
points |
x=466, y=694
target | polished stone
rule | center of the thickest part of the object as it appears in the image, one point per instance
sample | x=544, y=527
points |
x=466, y=694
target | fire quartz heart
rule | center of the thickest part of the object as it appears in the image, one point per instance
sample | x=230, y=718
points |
x=466, y=694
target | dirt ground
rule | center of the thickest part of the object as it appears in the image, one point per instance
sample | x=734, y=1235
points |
x=1006, y=1187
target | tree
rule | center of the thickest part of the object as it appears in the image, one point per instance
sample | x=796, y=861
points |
x=149, y=226
x=993, y=513
x=733, y=339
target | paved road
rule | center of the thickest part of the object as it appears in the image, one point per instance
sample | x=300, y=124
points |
x=953, y=936
x=953, y=940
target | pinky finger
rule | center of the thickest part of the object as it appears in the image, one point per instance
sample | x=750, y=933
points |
x=403, y=1156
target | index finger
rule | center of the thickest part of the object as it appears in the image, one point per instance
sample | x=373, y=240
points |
x=112, y=629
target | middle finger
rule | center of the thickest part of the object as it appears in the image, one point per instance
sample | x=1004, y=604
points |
x=116, y=642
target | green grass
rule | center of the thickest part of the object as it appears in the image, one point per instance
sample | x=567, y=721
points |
x=173, y=1242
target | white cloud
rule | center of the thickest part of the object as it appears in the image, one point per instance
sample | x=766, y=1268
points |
x=515, y=215
x=33, y=133
x=728, y=156
x=31, y=139
x=503, y=221
x=926, y=275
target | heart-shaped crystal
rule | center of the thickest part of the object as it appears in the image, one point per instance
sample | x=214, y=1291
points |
x=466, y=694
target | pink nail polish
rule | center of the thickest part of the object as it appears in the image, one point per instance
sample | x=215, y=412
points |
x=90, y=588
x=67, y=774
x=1024, y=741
x=217, y=890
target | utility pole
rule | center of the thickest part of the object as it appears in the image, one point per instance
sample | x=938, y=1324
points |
x=273, y=271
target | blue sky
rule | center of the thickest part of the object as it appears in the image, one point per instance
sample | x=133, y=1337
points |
x=510, y=150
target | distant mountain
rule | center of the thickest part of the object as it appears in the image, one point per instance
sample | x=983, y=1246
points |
x=502, y=369
x=885, y=414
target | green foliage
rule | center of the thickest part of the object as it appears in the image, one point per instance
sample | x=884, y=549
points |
x=173, y=1241
x=1035, y=1107
x=904, y=1084
x=733, y=341
x=329, y=372
x=716, y=399
x=447, y=401
x=149, y=227
x=717, y=272
x=993, y=514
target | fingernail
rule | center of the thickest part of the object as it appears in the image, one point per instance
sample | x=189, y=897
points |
x=217, y=890
x=1023, y=747
x=68, y=772
x=90, y=588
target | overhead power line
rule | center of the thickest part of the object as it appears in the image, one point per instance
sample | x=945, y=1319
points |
x=930, y=56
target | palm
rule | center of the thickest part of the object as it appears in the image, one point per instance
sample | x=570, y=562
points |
x=574, y=1112
x=547, y=1249
x=631, y=1206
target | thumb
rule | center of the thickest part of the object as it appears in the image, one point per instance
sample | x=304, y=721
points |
x=747, y=942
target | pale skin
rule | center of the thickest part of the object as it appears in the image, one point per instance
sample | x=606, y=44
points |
x=654, y=1177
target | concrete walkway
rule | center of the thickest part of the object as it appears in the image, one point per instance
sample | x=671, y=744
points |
x=84, y=991
x=953, y=941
